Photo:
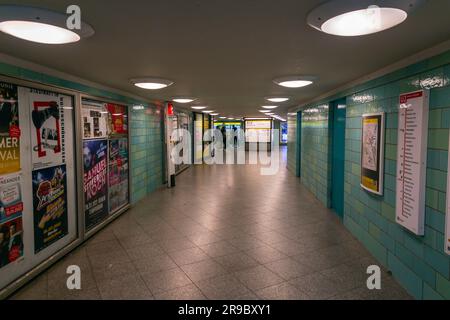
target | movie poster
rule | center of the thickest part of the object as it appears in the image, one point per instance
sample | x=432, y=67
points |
x=11, y=203
x=47, y=128
x=95, y=181
x=11, y=241
x=95, y=121
x=9, y=129
x=119, y=119
x=50, y=206
x=372, y=145
x=118, y=173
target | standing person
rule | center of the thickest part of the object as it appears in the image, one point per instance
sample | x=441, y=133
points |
x=223, y=130
x=235, y=136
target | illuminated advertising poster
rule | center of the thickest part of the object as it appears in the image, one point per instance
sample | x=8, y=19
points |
x=11, y=203
x=95, y=181
x=11, y=241
x=95, y=122
x=118, y=173
x=9, y=129
x=50, y=206
x=119, y=119
x=47, y=128
x=258, y=131
x=372, y=155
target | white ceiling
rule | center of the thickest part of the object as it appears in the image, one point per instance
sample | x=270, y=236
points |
x=226, y=52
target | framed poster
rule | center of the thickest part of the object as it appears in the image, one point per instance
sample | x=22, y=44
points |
x=9, y=129
x=118, y=173
x=49, y=206
x=412, y=160
x=11, y=203
x=11, y=241
x=95, y=182
x=47, y=128
x=372, y=152
x=119, y=118
x=95, y=121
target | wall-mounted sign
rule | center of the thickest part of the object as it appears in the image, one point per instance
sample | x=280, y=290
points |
x=9, y=129
x=258, y=131
x=372, y=153
x=412, y=160
x=95, y=181
x=447, y=218
x=50, y=206
x=95, y=121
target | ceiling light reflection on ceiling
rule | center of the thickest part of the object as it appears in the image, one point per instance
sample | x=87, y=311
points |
x=40, y=25
x=151, y=83
x=362, y=17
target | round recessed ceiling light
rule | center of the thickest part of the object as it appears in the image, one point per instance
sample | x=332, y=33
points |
x=222, y=117
x=208, y=111
x=357, y=18
x=184, y=99
x=277, y=99
x=294, y=81
x=264, y=111
x=151, y=83
x=269, y=107
x=198, y=107
x=40, y=25
x=214, y=114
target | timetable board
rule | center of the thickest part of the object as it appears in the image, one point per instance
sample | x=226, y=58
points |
x=412, y=160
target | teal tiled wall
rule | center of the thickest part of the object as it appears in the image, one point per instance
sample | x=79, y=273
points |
x=292, y=162
x=147, y=152
x=314, y=153
x=418, y=263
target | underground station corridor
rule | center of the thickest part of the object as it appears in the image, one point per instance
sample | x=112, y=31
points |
x=224, y=233
x=211, y=159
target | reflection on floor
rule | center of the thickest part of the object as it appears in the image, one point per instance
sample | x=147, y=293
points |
x=225, y=232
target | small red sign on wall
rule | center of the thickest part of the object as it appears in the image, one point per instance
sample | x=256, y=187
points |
x=170, y=109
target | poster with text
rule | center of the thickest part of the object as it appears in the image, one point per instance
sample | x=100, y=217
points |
x=118, y=173
x=9, y=129
x=11, y=241
x=95, y=121
x=119, y=119
x=47, y=128
x=372, y=155
x=11, y=203
x=95, y=181
x=50, y=206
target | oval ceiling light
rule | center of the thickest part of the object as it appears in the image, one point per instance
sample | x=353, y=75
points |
x=184, y=99
x=215, y=114
x=356, y=18
x=40, y=25
x=277, y=99
x=208, y=111
x=198, y=107
x=151, y=83
x=294, y=81
x=269, y=107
